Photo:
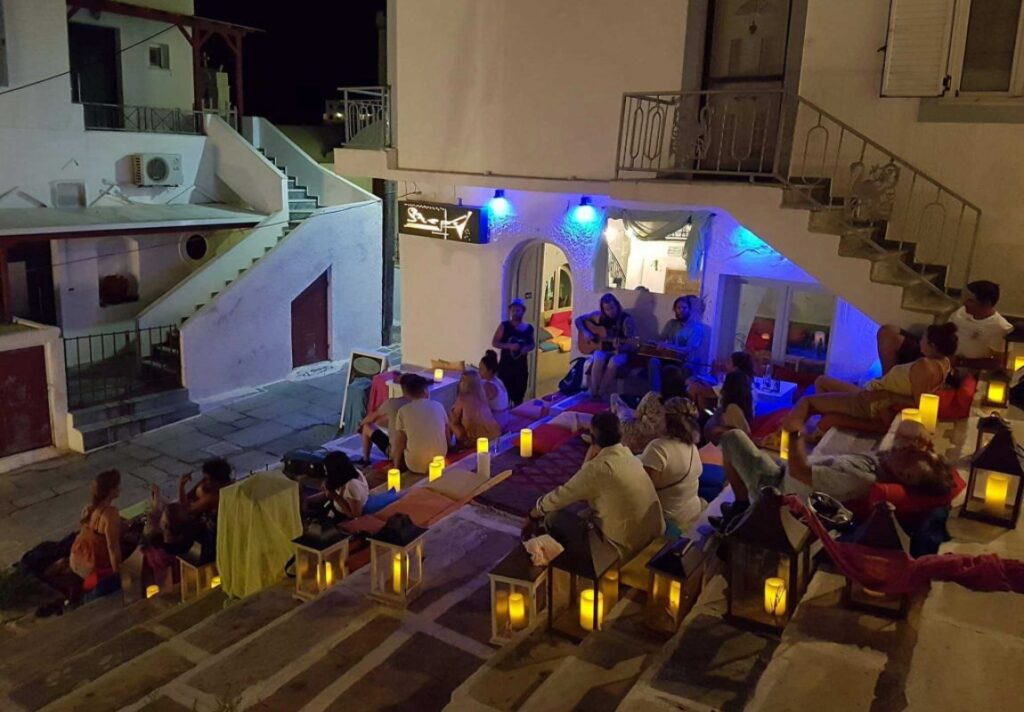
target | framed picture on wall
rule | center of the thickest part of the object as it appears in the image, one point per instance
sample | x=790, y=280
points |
x=678, y=282
x=362, y=367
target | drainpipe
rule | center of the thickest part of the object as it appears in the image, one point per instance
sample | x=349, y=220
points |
x=387, y=191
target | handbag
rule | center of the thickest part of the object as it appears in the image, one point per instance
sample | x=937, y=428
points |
x=572, y=383
x=305, y=463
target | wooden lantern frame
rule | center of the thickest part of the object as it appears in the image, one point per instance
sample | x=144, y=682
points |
x=879, y=531
x=517, y=574
x=312, y=557
x=382, y=556
x=675, y=582
x=584, y=570
x=195, y=575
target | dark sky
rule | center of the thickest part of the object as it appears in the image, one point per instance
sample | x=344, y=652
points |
x=309, y=48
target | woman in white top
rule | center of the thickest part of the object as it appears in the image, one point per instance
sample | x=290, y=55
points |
x=674, y=465
x=345, y=487
x=494, y=389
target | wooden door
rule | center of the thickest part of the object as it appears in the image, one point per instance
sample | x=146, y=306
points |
x=25, y=415
x=309, y=324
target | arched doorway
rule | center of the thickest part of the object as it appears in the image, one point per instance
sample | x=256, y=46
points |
x=538, y=272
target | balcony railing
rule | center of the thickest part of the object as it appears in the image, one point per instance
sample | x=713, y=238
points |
x=779, y=137
x=147, y=119
x=366, y=113
x=118, y=365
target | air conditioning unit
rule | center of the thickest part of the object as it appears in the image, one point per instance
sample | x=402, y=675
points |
x=157, y=169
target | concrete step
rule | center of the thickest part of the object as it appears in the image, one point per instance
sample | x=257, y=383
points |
x=302, y=204
x=920, y=298
x=124, y=428
x=896, y=273
x=111, y=411
x=298, y=215
x=297, y=194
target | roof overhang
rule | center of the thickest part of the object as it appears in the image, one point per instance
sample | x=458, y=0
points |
x=24, y=224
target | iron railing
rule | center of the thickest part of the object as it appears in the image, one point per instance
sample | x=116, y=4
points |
x=917, y=226
x=149, y=119
x=118, y=365
x=366, y=113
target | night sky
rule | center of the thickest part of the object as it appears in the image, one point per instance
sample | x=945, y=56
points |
x=310, y=48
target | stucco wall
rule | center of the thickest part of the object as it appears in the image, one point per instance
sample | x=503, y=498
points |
x=526, y=87
x=841, y=71
x=254, y=315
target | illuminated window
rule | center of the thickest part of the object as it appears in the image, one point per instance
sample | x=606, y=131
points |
x=159, y=56
x=654, y=253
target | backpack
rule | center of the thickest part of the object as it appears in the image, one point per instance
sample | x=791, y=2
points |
x=307, y=463
x=573, y=381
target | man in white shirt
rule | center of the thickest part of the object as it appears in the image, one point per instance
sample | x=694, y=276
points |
x=624, y=506
x=376, y=426
x=981, y=331
x=421, y=428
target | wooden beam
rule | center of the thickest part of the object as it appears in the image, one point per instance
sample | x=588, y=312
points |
x=239, y=93
x=6, y=315
x=147, y=13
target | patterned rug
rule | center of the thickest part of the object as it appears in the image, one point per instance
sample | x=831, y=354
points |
x=530, y=479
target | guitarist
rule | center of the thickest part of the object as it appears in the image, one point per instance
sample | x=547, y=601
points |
x=610, y=334
x=686, y=334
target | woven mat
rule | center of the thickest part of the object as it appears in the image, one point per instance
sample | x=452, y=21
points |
x=532, y=479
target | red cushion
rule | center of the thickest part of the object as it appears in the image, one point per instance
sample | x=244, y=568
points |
x=765, y=425
x=589, y=406
x=547, y=438
x=562, y=320
x=911, y=507
x=956, y=404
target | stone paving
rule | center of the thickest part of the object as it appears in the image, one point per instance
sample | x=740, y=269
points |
x=42, y=501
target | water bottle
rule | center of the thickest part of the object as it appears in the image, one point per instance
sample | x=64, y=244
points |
x=767, y=381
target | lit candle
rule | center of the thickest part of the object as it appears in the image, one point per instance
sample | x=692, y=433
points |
x=501, y=608
x=587, y=609
x=438, y=375
x=996, y=392
x=215, y=582
x=152, y=590
x=396, y=573
x=328, y=574
x=996, y=488
x=395, y=480
x=436, y=469
x=517, y=611
x=908, y=414
x=775, y=596
x=929, y=408
x=784, y=446
x=610, y=588
x=675, y=596
x=483, y=445
x=1018, y=362
x=525, y=443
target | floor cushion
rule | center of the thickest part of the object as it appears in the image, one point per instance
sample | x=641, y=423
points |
x=423, y=507
x=589, y=406
x=531, y=410
x=562, y=320
x=366, y=524
x=564, y=343
x=457, y=483
x=955, y=403
x=547, y=346
x=531, y=479
x=711, y=482
x=377, y=502
x=547, y=438
x=911, y=507
x=516, y=423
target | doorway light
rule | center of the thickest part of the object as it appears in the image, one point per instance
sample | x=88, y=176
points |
x=584, y=213
x=499, y=206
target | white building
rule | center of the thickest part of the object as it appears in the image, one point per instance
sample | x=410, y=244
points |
x=172, y=254
x=836, y=206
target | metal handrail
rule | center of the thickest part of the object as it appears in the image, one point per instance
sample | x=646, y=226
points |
x=363, y=107
x=777, y=136
x=149, y=119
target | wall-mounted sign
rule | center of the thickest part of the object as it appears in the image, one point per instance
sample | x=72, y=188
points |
x=445, y=222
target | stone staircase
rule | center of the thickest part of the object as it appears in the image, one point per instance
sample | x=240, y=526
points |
x=122, y=420
x=301, y=205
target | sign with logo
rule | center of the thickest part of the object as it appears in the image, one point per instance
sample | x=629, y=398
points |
x=444, y=222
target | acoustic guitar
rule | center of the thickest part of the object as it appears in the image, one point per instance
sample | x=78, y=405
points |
x=588, y=346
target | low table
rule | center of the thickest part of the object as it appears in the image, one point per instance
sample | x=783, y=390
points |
x=775, y=399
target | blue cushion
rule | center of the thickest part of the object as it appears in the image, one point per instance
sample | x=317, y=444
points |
x=547, y=346
x=712, y=482
x=377, y=502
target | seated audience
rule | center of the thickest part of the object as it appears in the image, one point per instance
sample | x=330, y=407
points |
x=685, y=333
x=172, y=534
x=344, y=487
x=421, y=429
x=875, y=405
x=624, y=507
x=981, y=329
x=910, y=462
x=614, y=331
x=674, y=465
x=203, y=500
x=375, y=427
x=701, y=389
x=471, y=416
x=97, y=548
x=735, y=407
x=494, y=388
x=647, y=422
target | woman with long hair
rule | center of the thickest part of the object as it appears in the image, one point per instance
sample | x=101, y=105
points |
x=614, y=330
x=735, y=407
x=647, y=422
x=494, y=388
x=702, y=389
x=674, y=464
x=97, y=548
x=471, y=416
x=344, y=486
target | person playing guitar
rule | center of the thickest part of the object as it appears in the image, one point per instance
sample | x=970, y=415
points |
x=610, y=335
x=684, y=339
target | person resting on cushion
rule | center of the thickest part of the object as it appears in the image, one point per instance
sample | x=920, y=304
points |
x=881, y=399
x=910, y=462
x=647, y=422
x=376, y=426
x=735, y=407
x=471, y=416
x=344, y=487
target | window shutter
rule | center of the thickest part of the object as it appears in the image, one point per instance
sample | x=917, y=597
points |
x=917, y=48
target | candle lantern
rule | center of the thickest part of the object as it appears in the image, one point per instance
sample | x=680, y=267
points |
x=994, y=487
x=882, y=533
x=526, y=443
x=152, y=591
x=988, y=426
x=320, y=562
x=196, y=575
x=483, y=457
x=769, y=564
x=998, y=390
x=928, y=407
x=1010, y=359
x=396, y=565
x=576, y=587
x=1018, y=363
x=519, y=595
x=784, y=445
x=675, y=581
